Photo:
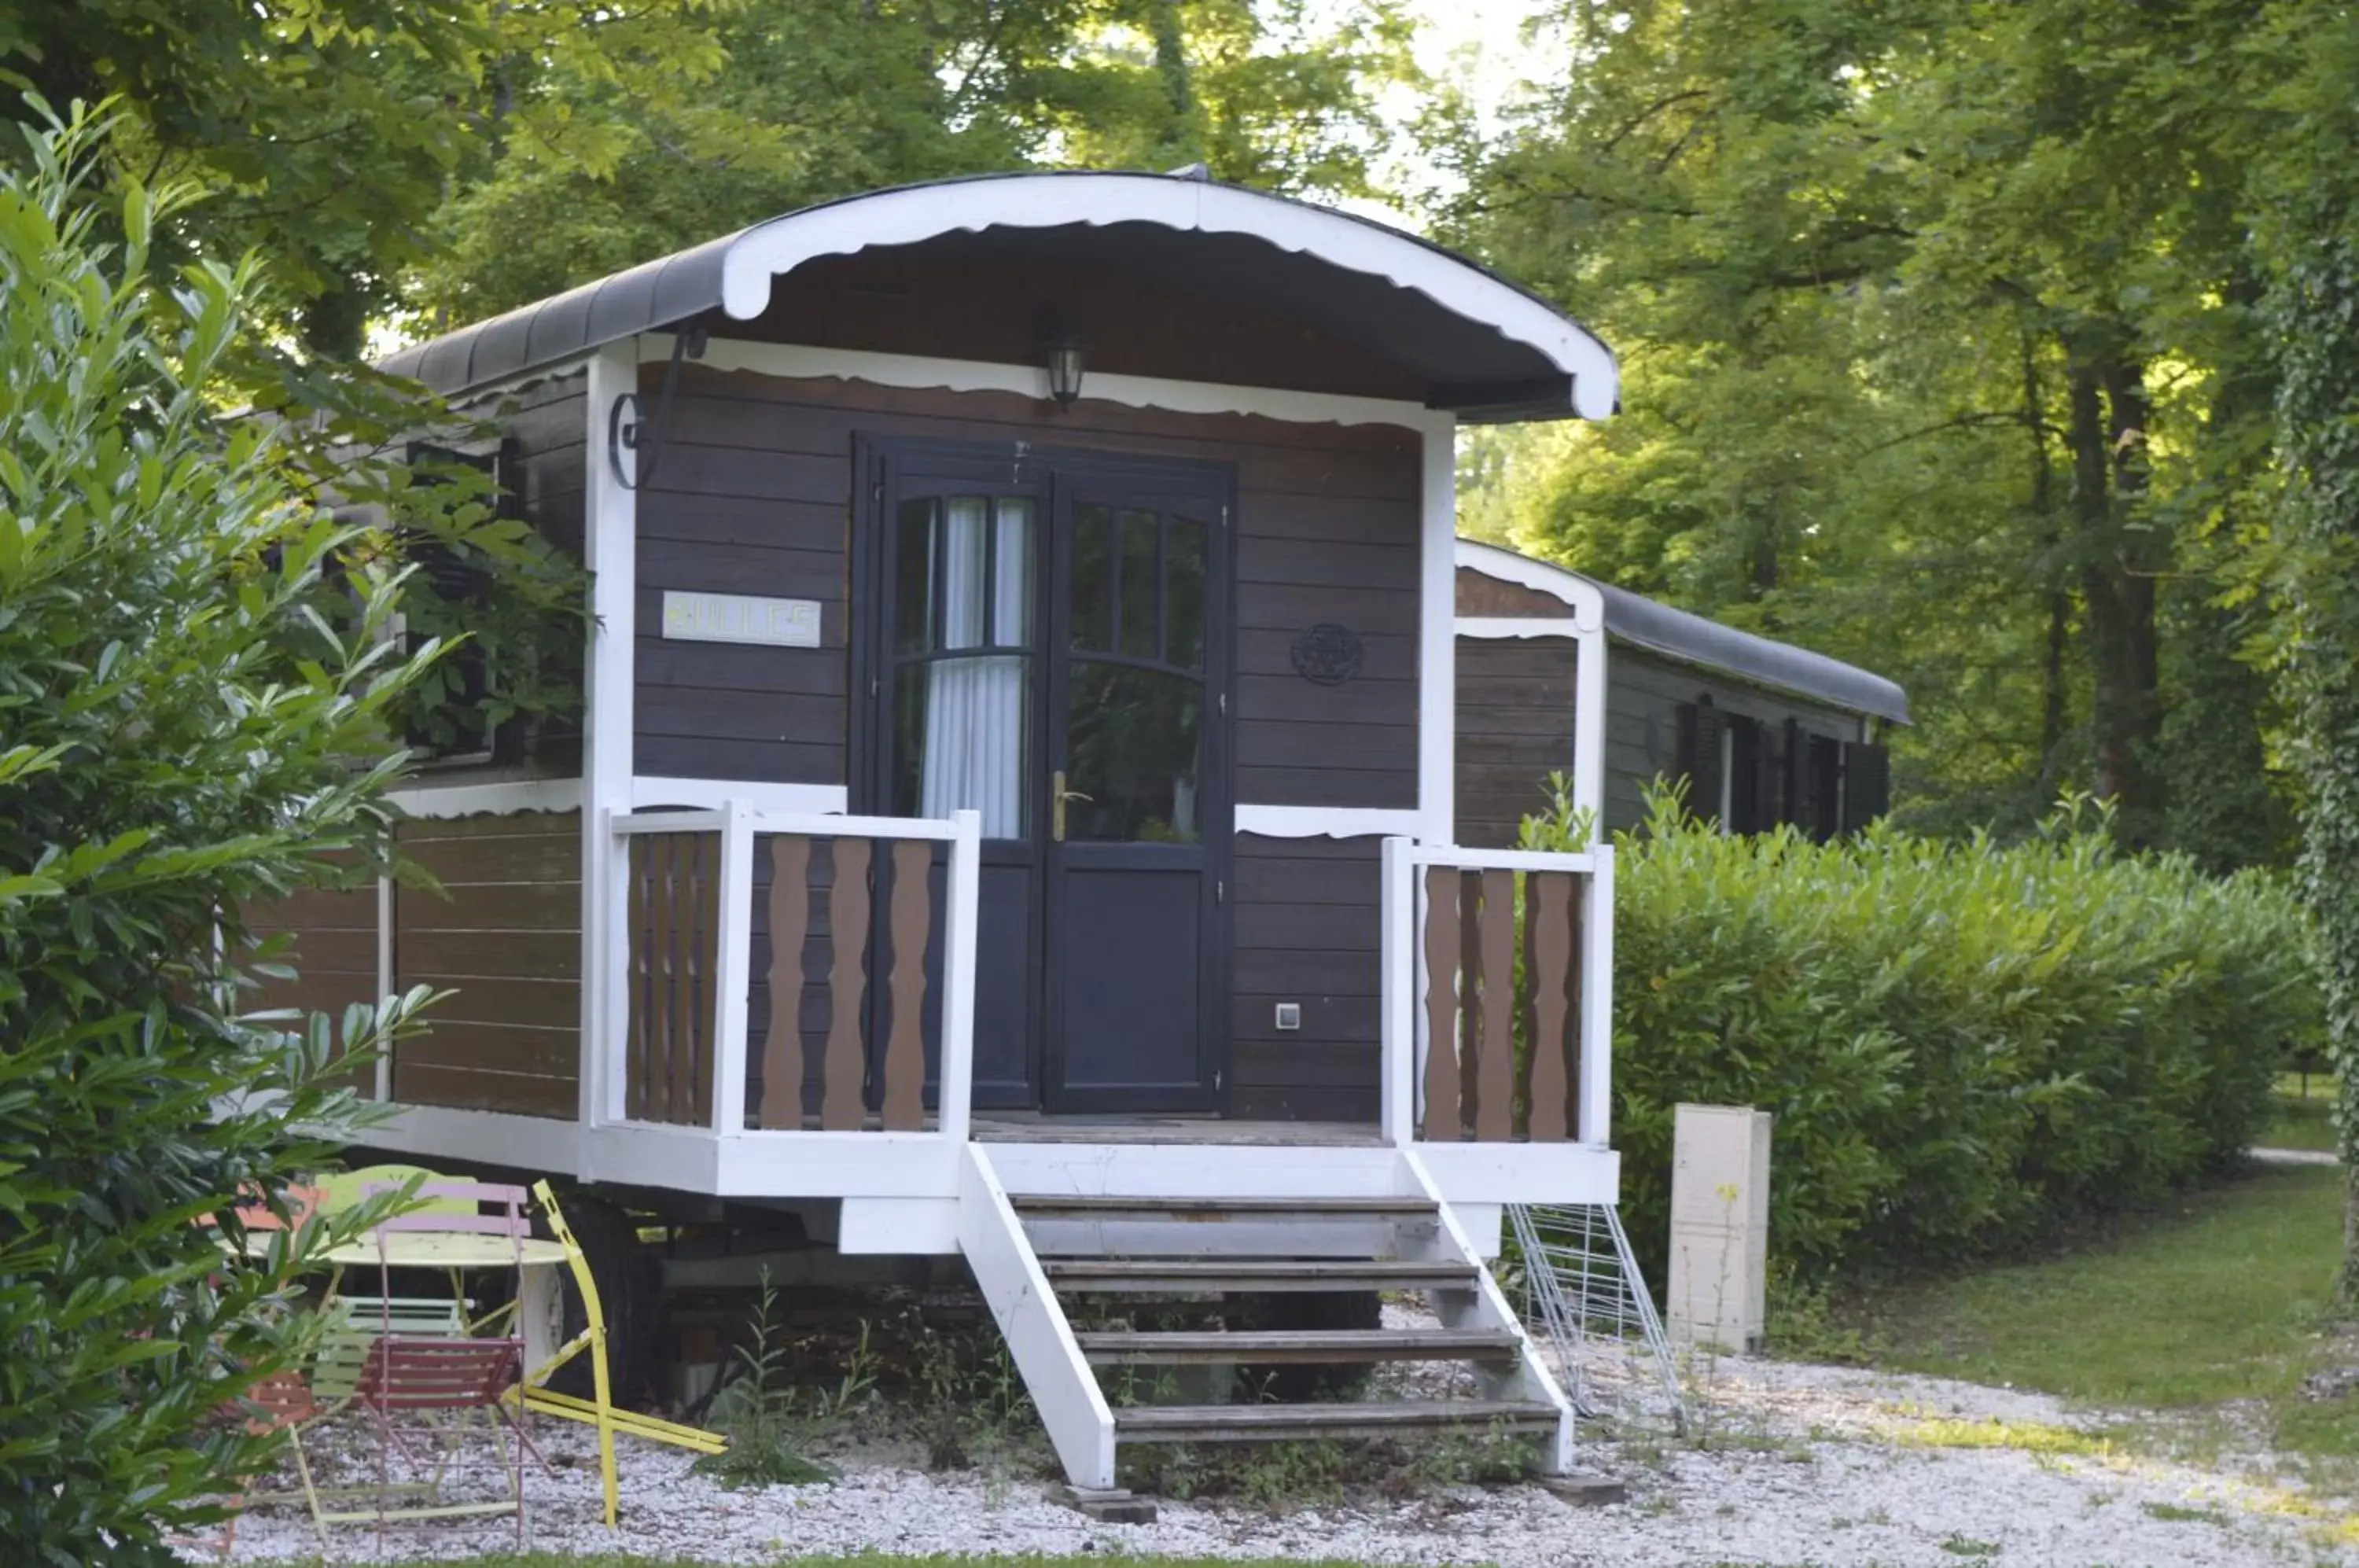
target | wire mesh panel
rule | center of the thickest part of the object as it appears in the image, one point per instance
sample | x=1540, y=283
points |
x=1583, y=1290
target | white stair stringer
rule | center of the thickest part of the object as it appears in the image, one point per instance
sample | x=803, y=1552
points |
x=1064, y=1388
x=1485, y=1308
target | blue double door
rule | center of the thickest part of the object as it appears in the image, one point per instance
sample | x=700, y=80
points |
x=1050, y=644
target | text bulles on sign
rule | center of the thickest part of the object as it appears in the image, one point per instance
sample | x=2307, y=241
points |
x=740, y=617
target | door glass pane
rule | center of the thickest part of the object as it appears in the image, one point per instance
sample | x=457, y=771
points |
x=1093, y=573
x=964, y=572
x=960, y=739
x=1011, y=577
x=913, y=576
x=1183, y=565
x=1134, y=746
x=1141, y=580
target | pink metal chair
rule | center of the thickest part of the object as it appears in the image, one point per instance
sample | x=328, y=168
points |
x=454, y=1208
x=439, y=1388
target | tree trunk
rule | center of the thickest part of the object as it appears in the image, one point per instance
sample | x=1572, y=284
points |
x=2059, y=601
x=2117, y=579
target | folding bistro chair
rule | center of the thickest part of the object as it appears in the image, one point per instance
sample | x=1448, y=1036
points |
x=439, y=1386
x=455, y=1208
x=295, y=1402
x=599, y=1411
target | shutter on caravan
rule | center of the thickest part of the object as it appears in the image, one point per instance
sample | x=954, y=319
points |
x=1767, y=781
x=1747, y=770
x=1867, y=784
x=1699, y=759
x=1800, y=810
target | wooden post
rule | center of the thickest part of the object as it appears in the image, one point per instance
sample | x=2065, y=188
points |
x=1597, y=1000
x=1397, y=950
x=732, y=963
x=957, y=1090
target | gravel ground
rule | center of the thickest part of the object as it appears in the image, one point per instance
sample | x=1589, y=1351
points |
x=1800, y=1464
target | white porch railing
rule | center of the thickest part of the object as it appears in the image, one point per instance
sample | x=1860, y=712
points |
x=843, y=1045
x=1498, y=994
x=780, y=973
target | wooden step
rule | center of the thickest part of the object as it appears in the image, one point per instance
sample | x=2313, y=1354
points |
x=1041, y=1204
x=1135, y=1276
x=1271, y=1423
x=1263, y=1348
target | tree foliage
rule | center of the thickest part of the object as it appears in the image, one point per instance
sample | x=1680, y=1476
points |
x=194, y=716
x=1941, y=355
x=2313, y=229
x=586, y=168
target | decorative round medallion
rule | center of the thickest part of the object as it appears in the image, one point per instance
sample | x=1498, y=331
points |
x=1328, y=654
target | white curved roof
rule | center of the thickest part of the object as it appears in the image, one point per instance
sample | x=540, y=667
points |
x=1483, y=344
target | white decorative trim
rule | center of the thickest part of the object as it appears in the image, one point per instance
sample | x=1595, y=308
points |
x=474, y=402
x=1437, y=660
x=490, y=800
x=756, y=257
x=1596, y=1126
x=1503, y=626
x=1330, y=821
x=707, y=794
x=1523, y=1172
x=1586, y=626
x=542, y=1144
x=1397, y=963
x=926, y=1166
x=959, y=921
x=1569, y=588
x=795, y=362
x=732, y=967
x=610, y=689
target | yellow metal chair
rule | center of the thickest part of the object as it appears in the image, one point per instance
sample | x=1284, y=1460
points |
x=599, y=1411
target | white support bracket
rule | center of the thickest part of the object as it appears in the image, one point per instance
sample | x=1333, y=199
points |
x=1064, y=1390
x=1487, y=1308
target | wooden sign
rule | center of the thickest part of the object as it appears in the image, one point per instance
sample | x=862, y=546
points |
x=739, y=617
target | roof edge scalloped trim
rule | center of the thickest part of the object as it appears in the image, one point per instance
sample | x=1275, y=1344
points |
x=909, y=215
x=1698, y=639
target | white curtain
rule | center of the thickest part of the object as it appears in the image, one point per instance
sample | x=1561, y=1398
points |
x=975, y=707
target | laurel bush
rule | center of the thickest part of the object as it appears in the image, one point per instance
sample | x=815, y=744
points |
x=1966, y=1044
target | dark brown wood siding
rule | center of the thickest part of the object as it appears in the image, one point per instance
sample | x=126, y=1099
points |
x=1514, y=724
x=991, y=310
x=548, y=421
x=1480, y=594
x=1643, y=693
x=754, y=495
x=504, y=936
x=333, y=953
x=1305, y=924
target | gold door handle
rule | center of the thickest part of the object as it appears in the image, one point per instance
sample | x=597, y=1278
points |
x=1058, y=796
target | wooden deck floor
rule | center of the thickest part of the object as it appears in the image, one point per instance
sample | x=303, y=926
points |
x=1012, y=1126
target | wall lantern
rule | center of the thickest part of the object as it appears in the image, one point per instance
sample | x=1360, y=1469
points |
x=1068, y=357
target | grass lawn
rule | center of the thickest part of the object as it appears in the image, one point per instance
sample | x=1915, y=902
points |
x=2223, y=1297
x=2297, y=1120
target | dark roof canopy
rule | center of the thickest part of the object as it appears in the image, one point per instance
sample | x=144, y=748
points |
x=1480, y=345
x=1695, y=639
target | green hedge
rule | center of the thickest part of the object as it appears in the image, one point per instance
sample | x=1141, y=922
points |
x=1964, y=1044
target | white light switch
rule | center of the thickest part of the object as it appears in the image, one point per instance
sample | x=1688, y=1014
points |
x=1290, y=1015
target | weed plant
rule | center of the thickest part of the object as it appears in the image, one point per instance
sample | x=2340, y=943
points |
x=768, y=1421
